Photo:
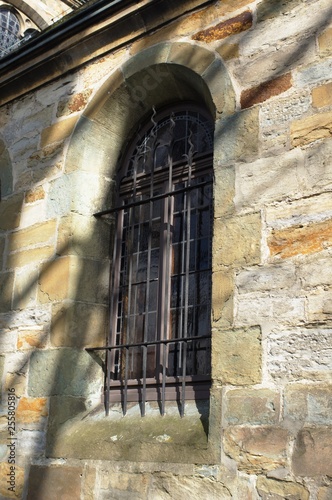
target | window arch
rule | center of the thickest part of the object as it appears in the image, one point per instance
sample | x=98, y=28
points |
x=159, y=340
x=10, y=29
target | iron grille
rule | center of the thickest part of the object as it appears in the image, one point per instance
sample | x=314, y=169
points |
x=159, y=339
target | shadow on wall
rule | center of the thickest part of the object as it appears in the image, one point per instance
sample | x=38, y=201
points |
x=74, y=283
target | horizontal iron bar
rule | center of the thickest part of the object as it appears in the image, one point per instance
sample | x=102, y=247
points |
x=153, y=198
x=144, y=344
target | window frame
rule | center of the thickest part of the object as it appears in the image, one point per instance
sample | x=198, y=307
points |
x=190, y=386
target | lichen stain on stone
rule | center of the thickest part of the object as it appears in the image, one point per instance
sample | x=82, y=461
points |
x=298, y=240
x=233, y=26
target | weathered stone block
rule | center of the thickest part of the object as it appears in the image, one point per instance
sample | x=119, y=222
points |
x=30, y=256
x=269, y=489
x=78, y=325
x=324, y=493
x=31, y=410
x=322, y=96
x=222, y=297
x=237, y=240
x=257, y=449
x=34, y=195
x=74, y=103
x=84, y=236
x=265, y=90
x=300, y=354
x=5, y=471
x=310, y=444
x=244, y=124
x=232, y=26
x=237, y=356
x=264, y=180
x=61, y=409
x=252, y=406
x=6, y=291
x=10, y=212
x=55, y=281
x=178, y=485
x=224, y=190
x=54, y=482
x=67, y=372
x=310, y=404
x=30, y=339
x=300, y=240
x=25, y=290
x=192, y=56
x=311, y=129
x=37, y=234
x=269, y=9
x=228, y=51
x=267, y=278
x=325, y=43
x=58, y=132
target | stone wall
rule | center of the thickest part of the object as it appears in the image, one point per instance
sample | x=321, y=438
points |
x=263, y=68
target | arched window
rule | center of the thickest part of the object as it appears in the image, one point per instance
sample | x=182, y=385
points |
x=159, y=343
x=9, y=29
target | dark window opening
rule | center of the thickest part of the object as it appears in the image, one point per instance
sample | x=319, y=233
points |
x=159, y=346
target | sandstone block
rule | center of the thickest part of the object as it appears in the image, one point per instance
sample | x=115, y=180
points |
x=19, y=481
x=300, y=240
x=310, y=444
x=257, y=449
x=309, y=404
x=257, y=308
x=232, y=26
x=58, y=131
x=78, y=325
x=228, y=51
x=263, y=181
x=237, y=240
x=267, y=278
x=10, y=212
x=311, y=129
x=55, y=280
x=84, y=236
x=25, y=290
x=300, y=354
x=222, y=297
x=89, y=483
x=196, y=58
x=324, y=493
x=30, y=339
x=252, y=406
x=265, y=90
x=31, y=410
x=279, y=490
x=322, y=96
x=178, y=485
x=74, y=103
x=34, y=195
x=236, y=356
x=30, y=256
x=6, y=291
x=314, y=73
x=269, y=9
x=37, y=234
x=54, y=482
x=244, y=124
x=325, y=43
x=224, y=190
x=63, y=371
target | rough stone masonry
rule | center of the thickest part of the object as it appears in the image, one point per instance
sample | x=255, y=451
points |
x=263, y=68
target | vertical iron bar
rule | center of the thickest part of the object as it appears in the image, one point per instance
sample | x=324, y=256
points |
x=125, y=396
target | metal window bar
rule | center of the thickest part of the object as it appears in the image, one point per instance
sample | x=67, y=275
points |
x=162, y=336
x=126, y=347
